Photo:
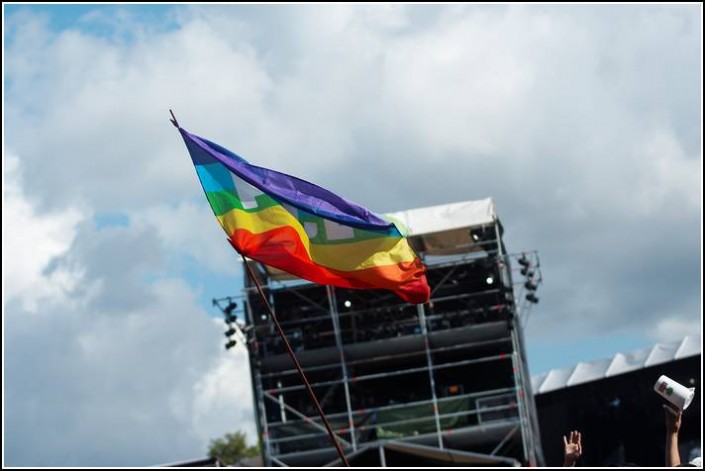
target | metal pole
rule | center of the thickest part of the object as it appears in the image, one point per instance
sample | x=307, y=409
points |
x=517, y=361
x=536, y=456
x=432, y=381
x=504, y=440
x=301, y=416
x=298, y=366
x=339, y=341
x=523, y=419
x=256, y=375
x=263, y=419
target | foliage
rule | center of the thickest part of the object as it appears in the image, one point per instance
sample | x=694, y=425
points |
x=232, y=448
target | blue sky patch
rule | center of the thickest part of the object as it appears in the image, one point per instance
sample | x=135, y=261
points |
x=112, y=219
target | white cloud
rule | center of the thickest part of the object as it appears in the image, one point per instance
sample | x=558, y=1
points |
x=675, y=328
x=103, y=98
x=100, y=363
x=30, y=240
x=109, y=383
x=226, y=387
x=670, y=182
x=683, y=317
x=190, y=228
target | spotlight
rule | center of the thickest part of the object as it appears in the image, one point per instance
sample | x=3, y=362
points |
x=232, y=305
x=526, y=272
x=481, y=234
x=489, y=280
x=530, y=285
x=230, y=344
x=230, y=332
x=524, y=262
x=531, y=297
x=230, y=319
x=347, y=303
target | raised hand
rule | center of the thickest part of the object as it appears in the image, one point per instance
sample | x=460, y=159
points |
x=572, y=448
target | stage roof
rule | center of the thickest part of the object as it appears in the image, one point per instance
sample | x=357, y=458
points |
x=447, y=217
x=620, y=363
x=445, y=229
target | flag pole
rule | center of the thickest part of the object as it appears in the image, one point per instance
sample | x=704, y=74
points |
x=173, y=120
x=298, y=366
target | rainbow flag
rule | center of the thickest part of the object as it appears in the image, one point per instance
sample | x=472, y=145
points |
x=303, y=229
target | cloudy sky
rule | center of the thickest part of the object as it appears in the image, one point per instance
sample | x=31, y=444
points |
x=584, y=123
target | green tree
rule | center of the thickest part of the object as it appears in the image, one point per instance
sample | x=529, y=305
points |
x=231, y=448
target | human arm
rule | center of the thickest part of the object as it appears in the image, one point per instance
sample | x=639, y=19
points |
x=673, y=425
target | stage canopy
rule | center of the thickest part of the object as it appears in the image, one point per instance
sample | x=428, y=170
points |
x=620, y=363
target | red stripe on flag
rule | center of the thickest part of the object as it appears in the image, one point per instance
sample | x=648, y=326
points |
x=282, y=248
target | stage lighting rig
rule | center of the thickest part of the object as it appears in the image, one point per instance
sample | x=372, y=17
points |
x=234, y=332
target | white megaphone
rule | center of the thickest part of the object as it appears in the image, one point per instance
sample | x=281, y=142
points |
x=674, y=392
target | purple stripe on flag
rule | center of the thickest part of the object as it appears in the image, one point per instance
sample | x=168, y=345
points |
x=292, y=190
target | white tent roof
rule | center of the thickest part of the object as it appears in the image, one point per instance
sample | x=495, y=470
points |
x=444, y=229
x=585, y=372
x=447, y=217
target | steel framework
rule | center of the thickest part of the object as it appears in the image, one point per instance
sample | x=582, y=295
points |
x=450, y=374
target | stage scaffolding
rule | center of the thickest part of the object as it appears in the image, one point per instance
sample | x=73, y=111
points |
x=450, y=374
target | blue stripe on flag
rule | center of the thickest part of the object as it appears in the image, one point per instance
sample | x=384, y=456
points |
x=215, y=177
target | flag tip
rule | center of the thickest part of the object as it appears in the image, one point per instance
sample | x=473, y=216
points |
x=173, y=120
